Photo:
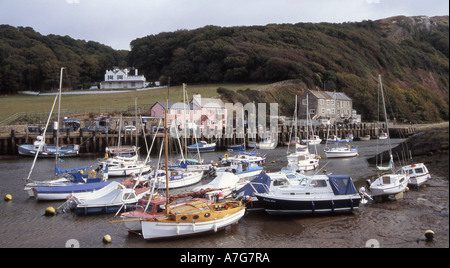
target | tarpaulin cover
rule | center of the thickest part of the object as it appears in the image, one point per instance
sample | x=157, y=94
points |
x=261, y=184
x=342, y=184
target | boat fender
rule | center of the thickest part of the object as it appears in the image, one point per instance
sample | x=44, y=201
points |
x=225, y=156
x=106, y=156
x=92, y=174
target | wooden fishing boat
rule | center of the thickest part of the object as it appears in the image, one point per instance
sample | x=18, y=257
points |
x=191, y=218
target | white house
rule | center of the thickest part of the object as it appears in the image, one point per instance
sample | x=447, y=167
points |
x=118, y=78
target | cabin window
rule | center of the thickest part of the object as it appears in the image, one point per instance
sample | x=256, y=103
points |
x=318, y=183
x=207, y=215
x=195, y=217
x=159, y=208
x=418, y=170
x=183, y=218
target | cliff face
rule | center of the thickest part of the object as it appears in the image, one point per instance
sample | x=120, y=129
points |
x=400, y=28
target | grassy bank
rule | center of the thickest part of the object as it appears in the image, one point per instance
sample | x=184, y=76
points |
x=12, y=104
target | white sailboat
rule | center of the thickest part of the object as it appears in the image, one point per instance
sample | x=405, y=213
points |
x=391, y=183
x=302, y=159
x=339, y=151
x=65, y=177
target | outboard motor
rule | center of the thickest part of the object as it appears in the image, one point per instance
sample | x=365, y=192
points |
x=364, y=195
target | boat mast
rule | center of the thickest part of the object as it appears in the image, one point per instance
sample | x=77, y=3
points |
x=166, y=146
x=58, y=119
x=386, y=119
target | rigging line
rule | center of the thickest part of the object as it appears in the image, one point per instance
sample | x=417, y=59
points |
x=43, y=139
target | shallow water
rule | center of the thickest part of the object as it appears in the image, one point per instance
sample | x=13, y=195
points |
x=23, y=223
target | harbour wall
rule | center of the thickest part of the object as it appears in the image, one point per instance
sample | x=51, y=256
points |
x=96, y=142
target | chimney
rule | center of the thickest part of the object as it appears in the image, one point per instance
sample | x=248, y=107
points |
x=136, y=71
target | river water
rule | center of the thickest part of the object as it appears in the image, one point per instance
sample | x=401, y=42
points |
x=23, y=223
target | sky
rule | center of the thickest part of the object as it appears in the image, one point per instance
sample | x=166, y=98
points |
x=117, y=22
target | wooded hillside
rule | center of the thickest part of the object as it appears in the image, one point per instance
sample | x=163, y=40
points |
x=412, y=54
x=31, y=61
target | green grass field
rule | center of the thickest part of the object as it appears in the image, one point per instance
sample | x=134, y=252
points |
x=9, y=105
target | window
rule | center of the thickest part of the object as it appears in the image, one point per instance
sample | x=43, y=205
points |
x=110, y=77
x=328, y=102
x=304, y=101
x=120, y=77
x=318, y=183
x=321, y=101
x=312, y=111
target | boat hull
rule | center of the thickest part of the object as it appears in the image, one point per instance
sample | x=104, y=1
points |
x=107, y=209
x=340, y=154
x=273, y=205
x=159, y=230
x=181, y=180
x=397, y=185
x=29, y=150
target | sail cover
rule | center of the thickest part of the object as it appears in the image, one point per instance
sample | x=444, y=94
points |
x=342, y=185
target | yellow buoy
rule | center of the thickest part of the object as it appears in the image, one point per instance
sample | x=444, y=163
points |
x=107, y=239
x=50, y=211
x=8, y=197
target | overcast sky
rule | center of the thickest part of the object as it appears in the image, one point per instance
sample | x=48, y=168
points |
x=117, y=22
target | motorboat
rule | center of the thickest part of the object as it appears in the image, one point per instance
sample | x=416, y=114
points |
x=302, y=159
x=202, y=146
x=177, y=179
x=247, y=157
x=266, y=143
x=383, y=136
x=314, y=194
x=241, y=169
x=315, y=139
x=123, y=161
x=341, y=152
x=418, y=174
x=48, y=150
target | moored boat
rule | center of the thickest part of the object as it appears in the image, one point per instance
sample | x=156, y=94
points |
x=193, y=217
x=202, y=146
x=315, y=194
x=418, y=174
